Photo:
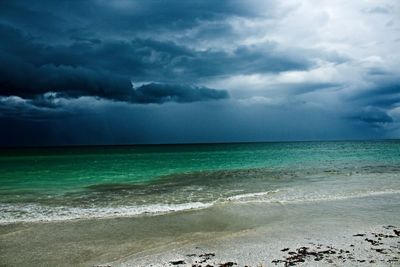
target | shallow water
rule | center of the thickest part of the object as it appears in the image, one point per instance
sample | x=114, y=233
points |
x=47, y=184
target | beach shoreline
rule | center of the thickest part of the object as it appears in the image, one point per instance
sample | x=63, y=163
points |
x=249, y=234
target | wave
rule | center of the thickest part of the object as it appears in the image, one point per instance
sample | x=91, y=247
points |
x=251, y=195
x=18, y=213
x=36, y=213
x=292, y=197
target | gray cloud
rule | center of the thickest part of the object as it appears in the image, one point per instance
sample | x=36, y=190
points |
x=378, y=10
x=285, y=65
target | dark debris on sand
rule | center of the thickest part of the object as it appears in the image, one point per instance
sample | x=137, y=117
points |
x=381, y=253
x=178, y=262
x=202, y=260
x=304, y=254
x=330, y=254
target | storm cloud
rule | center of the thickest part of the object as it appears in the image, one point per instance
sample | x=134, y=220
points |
x=157, y=66
x=34, y=69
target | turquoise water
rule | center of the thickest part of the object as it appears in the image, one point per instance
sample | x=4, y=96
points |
x=80, y=182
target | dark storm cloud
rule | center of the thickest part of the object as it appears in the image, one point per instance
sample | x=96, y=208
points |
x=81, y=69
x=121, y=16
x=375, y=117
x=105, y=68
x=381, y=95
x=371, y=105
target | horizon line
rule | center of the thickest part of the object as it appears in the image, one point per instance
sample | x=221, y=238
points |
x=193, y=143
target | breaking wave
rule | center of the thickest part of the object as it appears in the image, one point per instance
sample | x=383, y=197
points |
x=17, y=213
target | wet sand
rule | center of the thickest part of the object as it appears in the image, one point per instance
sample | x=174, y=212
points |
x=351, y=232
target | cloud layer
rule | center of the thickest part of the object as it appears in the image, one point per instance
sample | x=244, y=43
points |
x=270, y=64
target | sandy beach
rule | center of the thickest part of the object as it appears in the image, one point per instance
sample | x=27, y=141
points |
x=229, y=234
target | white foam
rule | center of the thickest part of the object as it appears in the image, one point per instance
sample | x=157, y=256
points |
x=292, y=196
x=36, y=213
x=251, y=195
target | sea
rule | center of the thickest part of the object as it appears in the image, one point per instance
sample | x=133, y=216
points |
x=45, y=184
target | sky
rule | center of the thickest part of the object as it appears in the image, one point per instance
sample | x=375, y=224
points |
x=176, y=71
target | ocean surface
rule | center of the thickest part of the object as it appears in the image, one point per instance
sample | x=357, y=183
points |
x=64, y=183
